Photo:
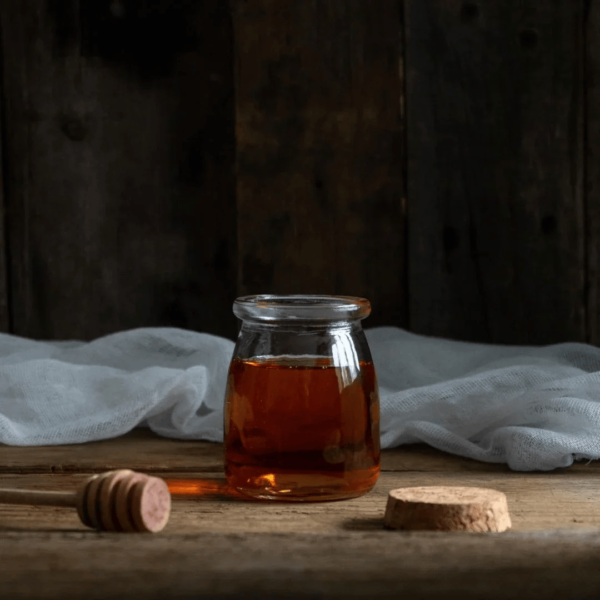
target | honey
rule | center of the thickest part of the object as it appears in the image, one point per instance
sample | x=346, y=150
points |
x=300, y=428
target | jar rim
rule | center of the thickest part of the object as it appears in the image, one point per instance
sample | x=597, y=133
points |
x=301, y=307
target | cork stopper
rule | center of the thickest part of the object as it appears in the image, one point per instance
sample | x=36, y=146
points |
x=124, y=501
x=438, y=508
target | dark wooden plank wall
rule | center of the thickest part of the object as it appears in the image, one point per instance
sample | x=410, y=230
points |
x=592, y=169
x=319, y=141
x=495, y=170
x=438, y=157
x=119, y=160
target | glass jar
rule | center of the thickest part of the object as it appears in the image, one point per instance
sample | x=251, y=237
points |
x=302, y=406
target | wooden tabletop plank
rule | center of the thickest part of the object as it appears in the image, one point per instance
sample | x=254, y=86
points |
x=141, y=450
x=220, y=546
x=145, y=451
x=382, y=564
x=202, y=503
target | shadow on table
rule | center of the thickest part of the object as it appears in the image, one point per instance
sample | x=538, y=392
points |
x=33, y=529
x=363, y=524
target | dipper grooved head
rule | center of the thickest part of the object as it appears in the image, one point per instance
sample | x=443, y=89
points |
x=124, y=501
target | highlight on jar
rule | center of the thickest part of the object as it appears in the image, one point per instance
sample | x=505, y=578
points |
x=302, y=405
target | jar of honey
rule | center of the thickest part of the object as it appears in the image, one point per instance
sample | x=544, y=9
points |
x=302, y=406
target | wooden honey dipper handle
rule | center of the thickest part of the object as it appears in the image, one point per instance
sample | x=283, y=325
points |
x=113, y=501
x=38, y=498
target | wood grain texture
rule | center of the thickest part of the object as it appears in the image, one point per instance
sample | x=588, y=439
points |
x=202, y=502
x=320, y=150
x=216, y=545
x=4, y=277
x=592, y=169
x=341, y=565
x=119, y=164
x=495, y=140
x=142, y=450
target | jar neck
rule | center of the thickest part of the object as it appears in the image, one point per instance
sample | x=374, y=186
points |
x=325, y=339
x=307, y=327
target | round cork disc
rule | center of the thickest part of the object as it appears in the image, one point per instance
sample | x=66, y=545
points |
x=150, y=505
x=440, y=508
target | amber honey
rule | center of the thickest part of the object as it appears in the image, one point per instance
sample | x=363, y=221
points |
x=300, y=428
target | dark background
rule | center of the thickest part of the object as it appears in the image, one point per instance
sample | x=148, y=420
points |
x=440, y=157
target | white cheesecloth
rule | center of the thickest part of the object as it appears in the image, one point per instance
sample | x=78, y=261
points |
x=533, y=408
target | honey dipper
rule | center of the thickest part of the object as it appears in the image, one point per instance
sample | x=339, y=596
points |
x=113, y=501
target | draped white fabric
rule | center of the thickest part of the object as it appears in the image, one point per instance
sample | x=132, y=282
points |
x=533, y=408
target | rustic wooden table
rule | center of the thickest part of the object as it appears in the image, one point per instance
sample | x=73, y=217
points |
x=217, y=546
